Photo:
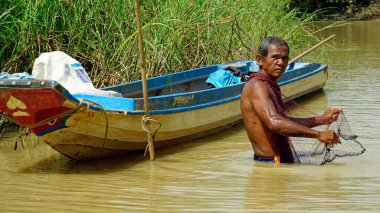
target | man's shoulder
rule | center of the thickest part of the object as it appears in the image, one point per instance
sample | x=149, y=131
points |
x=255, y=88
x=253, y=83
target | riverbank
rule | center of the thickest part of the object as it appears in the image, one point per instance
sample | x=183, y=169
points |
x=352, y=13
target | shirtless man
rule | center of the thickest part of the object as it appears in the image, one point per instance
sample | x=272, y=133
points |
x=261, y=105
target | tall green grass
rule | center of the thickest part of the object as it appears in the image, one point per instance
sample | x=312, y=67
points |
x=178, y=34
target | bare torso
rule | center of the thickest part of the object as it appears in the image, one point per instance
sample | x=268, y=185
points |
x=262, y=139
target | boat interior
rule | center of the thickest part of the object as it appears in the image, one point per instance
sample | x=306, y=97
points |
x=179, y=82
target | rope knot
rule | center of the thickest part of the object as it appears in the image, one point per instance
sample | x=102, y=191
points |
x=146, y=122
x=146, y=125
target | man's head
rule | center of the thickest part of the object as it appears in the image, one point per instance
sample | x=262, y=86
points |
x=273, y=56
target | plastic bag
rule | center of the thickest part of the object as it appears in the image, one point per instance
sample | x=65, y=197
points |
x=68, y=72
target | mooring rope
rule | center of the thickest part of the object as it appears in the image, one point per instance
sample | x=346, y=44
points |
x=21, y=137
x=145, y=121
x=105, y=116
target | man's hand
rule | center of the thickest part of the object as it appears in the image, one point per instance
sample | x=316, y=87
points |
x=328, y=137
x=330, y=115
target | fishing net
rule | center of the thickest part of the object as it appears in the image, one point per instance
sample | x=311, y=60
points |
x=311, y=151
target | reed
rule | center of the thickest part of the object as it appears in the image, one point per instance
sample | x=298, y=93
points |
x=178, y=35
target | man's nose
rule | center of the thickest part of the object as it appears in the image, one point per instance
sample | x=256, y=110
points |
x=281, y=61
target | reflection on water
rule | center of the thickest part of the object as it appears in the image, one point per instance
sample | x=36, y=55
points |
x=217, y=173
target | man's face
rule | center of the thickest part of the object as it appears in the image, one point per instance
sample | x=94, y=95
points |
x=276, y=61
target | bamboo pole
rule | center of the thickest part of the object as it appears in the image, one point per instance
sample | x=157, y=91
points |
x=311, y=49
x=144, y=80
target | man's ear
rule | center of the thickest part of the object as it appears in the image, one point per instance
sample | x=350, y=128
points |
x=259, y=60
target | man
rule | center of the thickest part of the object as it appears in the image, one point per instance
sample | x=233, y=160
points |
x=267, y=126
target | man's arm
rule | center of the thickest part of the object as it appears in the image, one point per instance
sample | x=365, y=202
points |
x=267, y=113
x=308, y=122
x=330, y=115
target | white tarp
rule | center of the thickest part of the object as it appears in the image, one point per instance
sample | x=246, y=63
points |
x=68, y=72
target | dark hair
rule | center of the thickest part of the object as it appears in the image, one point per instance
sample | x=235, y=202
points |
x=266, y=42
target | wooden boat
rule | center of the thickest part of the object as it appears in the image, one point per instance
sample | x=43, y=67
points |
x=83, y=126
